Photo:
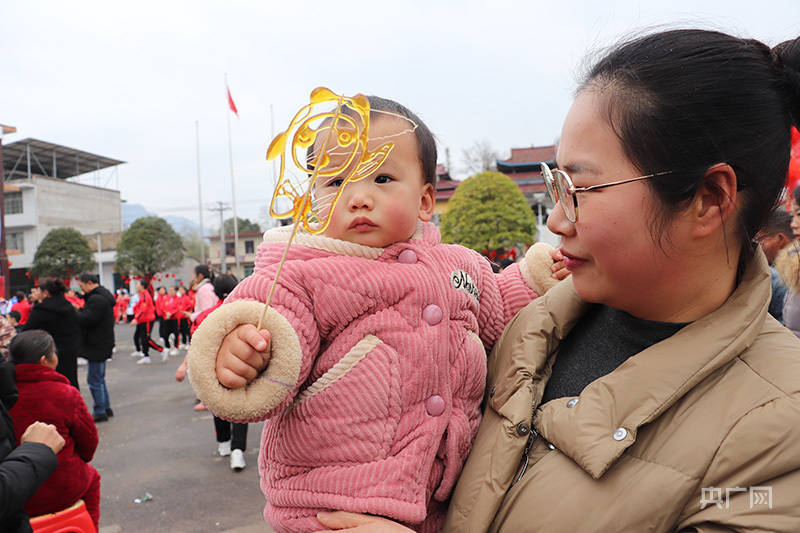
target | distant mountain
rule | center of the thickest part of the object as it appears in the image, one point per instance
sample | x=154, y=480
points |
x=182, y=225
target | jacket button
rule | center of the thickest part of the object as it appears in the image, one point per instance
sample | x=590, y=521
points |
x=432, y=314
x=571, y=403
x=620, y=434
x=407, y=257
x=434, y=405
x=523, y=429
x=491, y=392
x=550, y=446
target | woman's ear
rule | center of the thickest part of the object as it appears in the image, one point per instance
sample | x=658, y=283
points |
x=715, y=200
x=427, y=203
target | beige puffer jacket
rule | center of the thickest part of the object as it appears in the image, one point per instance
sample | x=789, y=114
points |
x=700, y=432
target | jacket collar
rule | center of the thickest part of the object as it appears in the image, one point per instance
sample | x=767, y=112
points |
x=38, y=372
x=425, y=232
x=604, y=422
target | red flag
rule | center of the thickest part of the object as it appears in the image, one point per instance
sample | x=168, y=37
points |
x=230, y=102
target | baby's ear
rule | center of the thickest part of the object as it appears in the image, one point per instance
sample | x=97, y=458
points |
x=427, y=203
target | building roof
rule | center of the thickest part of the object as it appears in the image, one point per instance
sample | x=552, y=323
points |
x=532, y=155
x=51, y=160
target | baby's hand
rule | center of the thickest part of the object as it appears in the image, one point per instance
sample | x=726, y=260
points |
x=557, y=268
x=244, y=354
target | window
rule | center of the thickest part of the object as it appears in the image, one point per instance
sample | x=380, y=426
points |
x=15, y=241
x=229, y=249
x=248, y=247
x=13, y=201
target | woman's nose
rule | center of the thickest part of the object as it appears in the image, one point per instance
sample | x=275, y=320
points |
x=558, y=223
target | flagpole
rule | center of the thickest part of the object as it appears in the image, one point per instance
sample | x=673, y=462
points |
x=233, y=189
x=200, y=197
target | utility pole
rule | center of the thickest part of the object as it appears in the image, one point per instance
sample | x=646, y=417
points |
x=221, y=207
x=200, y=197
x=3, y=257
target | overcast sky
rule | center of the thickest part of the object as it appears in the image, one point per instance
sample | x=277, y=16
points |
x=128, y=80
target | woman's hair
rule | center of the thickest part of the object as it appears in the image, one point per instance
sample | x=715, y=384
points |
x=204, y=271
x=778, y=221
x=684, y=100
x=223, y=285
x=29, y=346
x=54, y=286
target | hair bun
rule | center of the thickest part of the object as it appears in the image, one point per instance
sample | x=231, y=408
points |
x=787, y=55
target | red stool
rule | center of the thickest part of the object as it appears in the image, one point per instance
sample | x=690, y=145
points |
x=74, y=519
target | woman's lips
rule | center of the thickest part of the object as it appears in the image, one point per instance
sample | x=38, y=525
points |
x=571, y=261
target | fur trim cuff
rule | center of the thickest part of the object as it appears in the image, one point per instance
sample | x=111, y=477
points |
x=267, y=391
x=535, y=268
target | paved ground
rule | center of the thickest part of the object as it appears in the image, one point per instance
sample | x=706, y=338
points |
x=157, y=443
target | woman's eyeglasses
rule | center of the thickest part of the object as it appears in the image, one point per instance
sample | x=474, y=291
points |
x=562, y=191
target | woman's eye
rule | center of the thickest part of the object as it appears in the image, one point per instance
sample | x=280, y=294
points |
x=383, y=178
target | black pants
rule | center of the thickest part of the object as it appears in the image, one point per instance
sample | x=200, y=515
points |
x=223, y=429
x=169, y=327
x=145, y=342
x=183, y=327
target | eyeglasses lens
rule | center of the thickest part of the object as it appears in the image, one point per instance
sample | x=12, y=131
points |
x=564, y=195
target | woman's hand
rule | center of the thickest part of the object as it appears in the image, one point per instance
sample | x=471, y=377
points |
x=359, y=523
x=557, y=268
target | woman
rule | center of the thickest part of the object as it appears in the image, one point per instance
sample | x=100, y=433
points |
x=144, y=314
x=58, y=317
x=651, y=391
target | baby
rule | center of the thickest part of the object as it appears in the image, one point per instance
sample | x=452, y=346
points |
x=372, y=365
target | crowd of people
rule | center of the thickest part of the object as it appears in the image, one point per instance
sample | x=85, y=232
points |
x=48, y=435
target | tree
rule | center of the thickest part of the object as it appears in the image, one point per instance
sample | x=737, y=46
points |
x=194, y=244
x=480, y=157
x=489, y=212
x=148, y=246
x=245, y=226
x=63, y=253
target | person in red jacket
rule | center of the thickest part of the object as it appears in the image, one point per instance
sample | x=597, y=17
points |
x=22, y=306
x=172, y=310
x=47, y=396
x=144, y=313
x=185, y=309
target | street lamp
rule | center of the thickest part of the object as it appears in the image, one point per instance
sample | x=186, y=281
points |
x=4, y=130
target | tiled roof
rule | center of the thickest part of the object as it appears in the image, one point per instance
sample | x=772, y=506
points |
x=530, y=155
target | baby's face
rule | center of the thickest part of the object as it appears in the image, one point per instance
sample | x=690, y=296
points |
x=382, y=208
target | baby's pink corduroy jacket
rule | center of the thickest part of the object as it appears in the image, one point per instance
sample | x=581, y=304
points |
x=388, y=346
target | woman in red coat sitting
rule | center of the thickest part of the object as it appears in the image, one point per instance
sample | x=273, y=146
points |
x=47, y=396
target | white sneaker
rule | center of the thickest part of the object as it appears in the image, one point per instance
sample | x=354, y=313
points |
x=173, y=351
x=237, y=460
x=185, y=347
x=144, y=360
x=163, y=341
x=82, y=361
x=137, y=353
x=224, y=448
x=172, y=339
x=164, y=356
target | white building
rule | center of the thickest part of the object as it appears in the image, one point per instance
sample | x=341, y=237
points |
x=49, y=186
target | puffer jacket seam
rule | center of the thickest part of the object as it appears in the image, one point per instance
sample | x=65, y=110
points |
x=754, y=371
x=668, y=467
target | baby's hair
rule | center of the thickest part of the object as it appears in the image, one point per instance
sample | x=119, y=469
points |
x=426, y=143
x=30, y=346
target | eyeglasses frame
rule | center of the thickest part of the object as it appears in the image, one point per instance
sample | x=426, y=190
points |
x=572, y=189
